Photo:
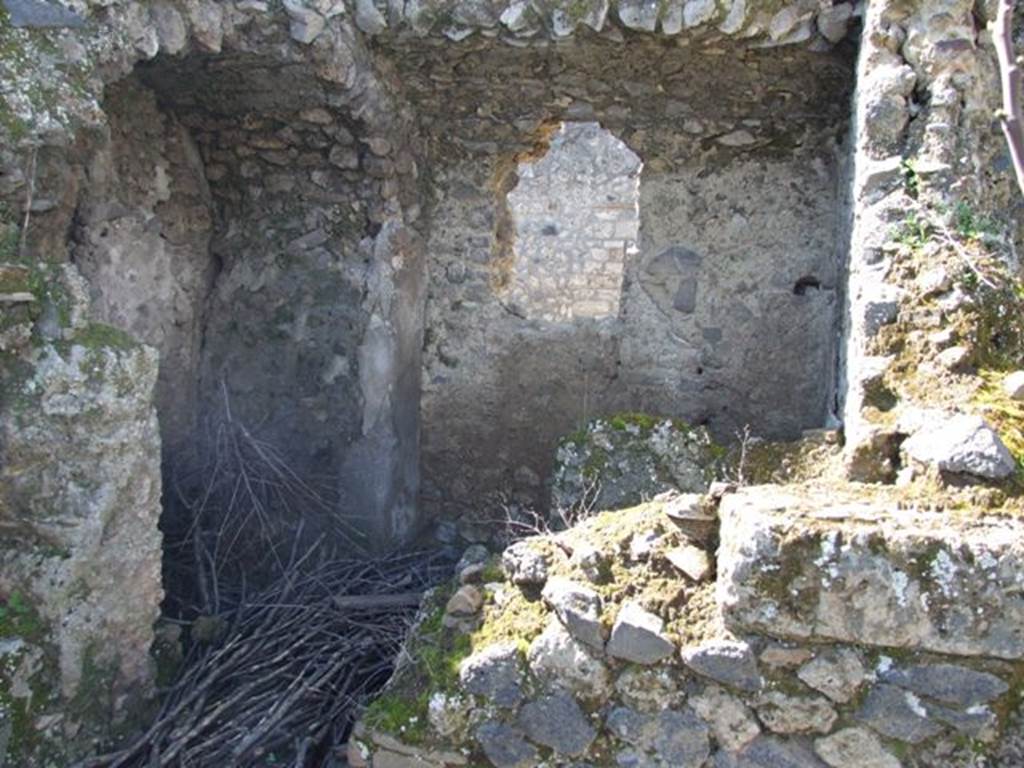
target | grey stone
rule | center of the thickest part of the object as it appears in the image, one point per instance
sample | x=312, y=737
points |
x=40, y=14
x=475, y=554
x=556, y=721
x=769, y=752
x=735, y=18
x=731, y=663
x=836, y=673
x=369, y=18
x=676, y=738
x=648, y=689
x=685, y=300
x=206, y=18
x=505, y=747
x=953, y=358
x=833, y=21
x=305, y=23
x=948, y=683
x=346, y=158
x=170, y=27
x=921, y=580
x=978, y=722
x=898, y=714
x=495, y=673
x=1013, y=385
x=590, y=560
x=557, y=657
x=964, y=444
x=672, y=17
x=578, y=608
x=637, y=636
x=854, y=748
x=738, y=138
x=880, y=312
x=524, y=565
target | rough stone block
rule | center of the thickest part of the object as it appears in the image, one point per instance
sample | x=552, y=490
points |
x=556, y=721
x=495, y=673
x=730, y=663
x=822, y=568
x=579, y=609
x=637, y=636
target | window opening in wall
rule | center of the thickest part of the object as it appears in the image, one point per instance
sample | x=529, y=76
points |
x=576, y=219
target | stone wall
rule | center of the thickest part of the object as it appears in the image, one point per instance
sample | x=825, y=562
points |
x=729, y=305
x=79, y=506
x=311, y=207
x=828, y=630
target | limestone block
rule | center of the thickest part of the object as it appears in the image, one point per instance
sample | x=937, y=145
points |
x=79, y=504
x=837, y=568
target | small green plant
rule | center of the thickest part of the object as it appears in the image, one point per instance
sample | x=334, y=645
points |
x=913, y=232
x=911, y=181
x=971, y=226
x=642, y=421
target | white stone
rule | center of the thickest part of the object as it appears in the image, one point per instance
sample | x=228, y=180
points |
x=963, y=444
x=556, y=656
x=838, y=674
x=697, y=12
x=731, y=721
x=1013, y=385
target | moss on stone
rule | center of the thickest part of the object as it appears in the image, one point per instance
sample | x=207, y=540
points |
x=27, y=683
x=18, y=618
x=436, y=653
x=101, y=336
x=1004, y=414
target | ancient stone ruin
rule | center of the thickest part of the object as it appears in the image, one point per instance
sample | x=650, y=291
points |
x=686, y=334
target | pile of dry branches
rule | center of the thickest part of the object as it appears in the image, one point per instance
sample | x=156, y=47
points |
x=234, y=510
x=290, y=624
x=288, y=669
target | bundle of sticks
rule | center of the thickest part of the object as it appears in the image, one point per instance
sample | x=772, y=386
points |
x=289, y=669
x=300, y=623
